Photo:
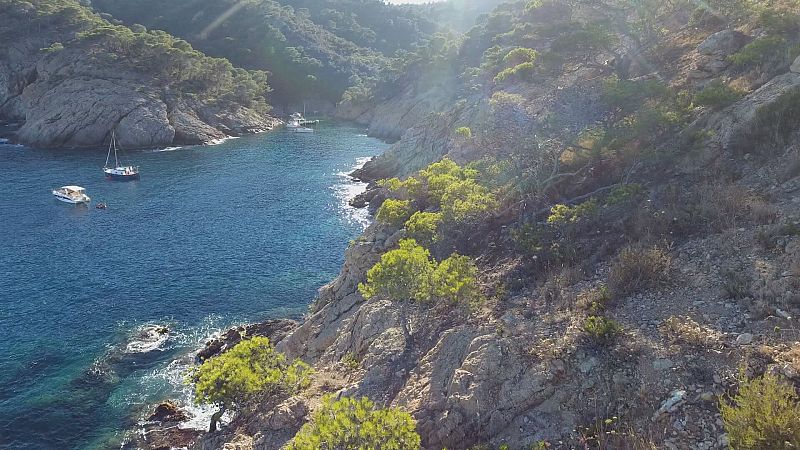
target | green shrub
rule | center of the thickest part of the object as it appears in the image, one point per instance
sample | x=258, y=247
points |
x=563, y=214
x=410, y=187
x=637, y=268
x=424, y=227
x=395, y=212
x=736, y=285
x=717, y=95
x=775, y=122
x=764, y=414
x=55, y=47
x=349, y=423
x=601, y=329
x=779, y=21
x=441, y=174
x=520, y=55
x=401, y=274
x=465, y=201
x=246, y=372
x=464, y=132
x=520, y=72
x=587, y=38
x=624, y=193
x=760, y=51
x=351, y=361
x=409, y=273
x=251, y=367
x=455, y=280
x=629, y=95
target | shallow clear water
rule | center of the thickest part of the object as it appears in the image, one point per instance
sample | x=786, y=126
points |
x=210, y=236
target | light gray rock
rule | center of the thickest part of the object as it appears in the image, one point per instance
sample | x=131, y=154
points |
x=662, y=364
x=744, y=339
x=795, y=67
x=723, y=43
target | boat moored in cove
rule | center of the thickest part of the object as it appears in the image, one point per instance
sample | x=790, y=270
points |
x=71, y=194
x=118, y=172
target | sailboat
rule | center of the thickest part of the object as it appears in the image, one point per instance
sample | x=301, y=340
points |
x=298, y=122
x=118, y=172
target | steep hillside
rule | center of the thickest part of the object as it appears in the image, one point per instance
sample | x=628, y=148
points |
x=70, y=77
x=614, y=258
x=313, y=49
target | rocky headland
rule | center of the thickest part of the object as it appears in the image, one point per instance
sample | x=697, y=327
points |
x=69, y=77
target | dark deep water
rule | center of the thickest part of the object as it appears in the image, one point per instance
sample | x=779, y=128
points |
x=210, y=236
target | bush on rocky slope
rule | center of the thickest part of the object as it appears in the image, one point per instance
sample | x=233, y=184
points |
x=349, y=423
x=247, y=373
x=409, y=273
x=764, y=414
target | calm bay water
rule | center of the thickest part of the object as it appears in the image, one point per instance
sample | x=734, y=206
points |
x=209, y=237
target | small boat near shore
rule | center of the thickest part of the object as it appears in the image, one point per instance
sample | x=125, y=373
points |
x=297, y=122
x=118, y=172
x=71, y=194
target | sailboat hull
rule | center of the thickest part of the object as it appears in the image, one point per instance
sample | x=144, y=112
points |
x=119, y=177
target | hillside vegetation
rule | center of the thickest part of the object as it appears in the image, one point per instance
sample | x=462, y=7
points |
x=585, y=237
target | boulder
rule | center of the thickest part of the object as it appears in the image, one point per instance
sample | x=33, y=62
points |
x=723, y=43
x=168, y=412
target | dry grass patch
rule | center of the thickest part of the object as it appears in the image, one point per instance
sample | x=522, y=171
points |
x=686, y=331
x=637, y=268
x=722, y=207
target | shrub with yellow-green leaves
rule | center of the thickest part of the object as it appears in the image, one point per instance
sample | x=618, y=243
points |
x=251, y=367
x=349, y=423
x=563, y=214
x=424, y=227
x=466, y=201
x=410, y=188
x=245, y=373
x=401, y=274
x=764, y=414
x=395, y=212
x=444, y=185
x=456, y=280
x=409, y=273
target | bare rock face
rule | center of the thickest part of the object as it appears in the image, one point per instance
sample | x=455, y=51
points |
x=713, y=52
x=723, y=43
x=795, y=67
x=73, y=99
x=733, y=127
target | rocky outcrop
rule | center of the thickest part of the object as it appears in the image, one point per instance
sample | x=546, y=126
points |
x=735, y=127
x=72, y=97
x=274, y=330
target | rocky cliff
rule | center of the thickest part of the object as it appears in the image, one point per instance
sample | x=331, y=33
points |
x=67, y=89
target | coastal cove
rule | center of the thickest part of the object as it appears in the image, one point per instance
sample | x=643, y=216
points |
x=210, y=237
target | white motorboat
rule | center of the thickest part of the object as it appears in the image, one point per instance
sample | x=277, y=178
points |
x=71, y=194
x=303, y=130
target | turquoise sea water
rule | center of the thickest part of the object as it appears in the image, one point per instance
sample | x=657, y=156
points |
x=210, y=236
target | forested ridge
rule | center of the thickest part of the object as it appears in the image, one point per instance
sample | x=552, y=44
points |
x=314, y=49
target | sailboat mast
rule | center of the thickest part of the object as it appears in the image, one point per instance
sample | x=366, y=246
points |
x=114, y=140
x=108, y=156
